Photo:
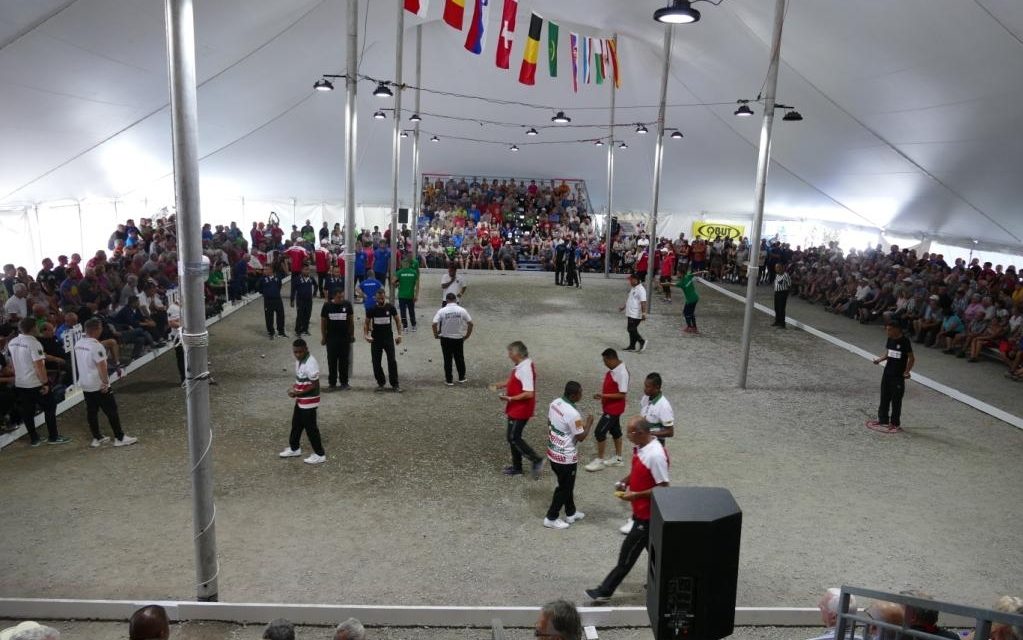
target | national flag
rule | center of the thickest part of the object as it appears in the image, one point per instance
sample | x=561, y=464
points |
x=573, y=41
x=598, y=61
x=476, y=38
x=612, y=47
x=552, y=48
x=454, y=13
x=527, y=74
x=418, y=7
x=584, y=55
x=507, y=33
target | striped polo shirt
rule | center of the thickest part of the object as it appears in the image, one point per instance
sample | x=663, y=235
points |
x=307, y=376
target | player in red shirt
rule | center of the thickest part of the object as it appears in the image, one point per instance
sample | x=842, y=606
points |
x=520, y=398
x=649, y=470
x=612, y=403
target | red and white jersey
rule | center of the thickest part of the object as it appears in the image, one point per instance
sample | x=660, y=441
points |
x=649, y=469
x=296, y=256
x=307, y=388
x=322, y=260
x=564, y=420
x=615, y=381
x=522, y=378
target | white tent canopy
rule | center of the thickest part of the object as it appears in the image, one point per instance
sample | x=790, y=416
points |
x=913, y=110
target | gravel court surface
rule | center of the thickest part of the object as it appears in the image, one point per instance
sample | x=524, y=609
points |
x=411, y=508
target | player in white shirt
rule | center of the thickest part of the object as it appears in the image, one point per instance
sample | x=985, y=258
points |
x=567, y=429
x=635, y=312
x=452, y=325
x=91, y=358
x=452, y=282
x=656, y=409
x=30, y=383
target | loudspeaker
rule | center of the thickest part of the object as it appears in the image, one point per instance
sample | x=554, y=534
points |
x=402, y=216
x=694, y=563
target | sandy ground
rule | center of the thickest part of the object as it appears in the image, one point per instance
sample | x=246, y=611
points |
x=411, y=508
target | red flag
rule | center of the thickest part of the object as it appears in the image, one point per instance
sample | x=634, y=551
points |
x=454, y=13
x=612, y=47
x=418, y=7
x=504, y=42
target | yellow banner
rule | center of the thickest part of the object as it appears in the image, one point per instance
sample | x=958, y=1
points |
x=711, y=230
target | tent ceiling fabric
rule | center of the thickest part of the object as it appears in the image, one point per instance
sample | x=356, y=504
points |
x=914, y=109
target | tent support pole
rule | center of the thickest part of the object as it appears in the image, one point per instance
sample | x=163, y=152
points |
x=417, y=189
x=610, y=178
x=399, y=58
x=763, y=163
x=180, y=22
x=351, y=122
x=658, y=167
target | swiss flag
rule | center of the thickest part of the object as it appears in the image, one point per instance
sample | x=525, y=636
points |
x=504, y=42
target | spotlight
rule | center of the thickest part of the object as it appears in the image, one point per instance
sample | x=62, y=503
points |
x=561, y=118
x=403, y=134
x=531, y=132
x=382, y=91
x=623, y=146
x=793, y=116
x=513, y=148
x=323, y=85
x=678, y=12
x=379, y=115
x=677, y=135
x=598, y=143
x=434, y=139
x=414, y=118
x=640, y=129
x=743, y=111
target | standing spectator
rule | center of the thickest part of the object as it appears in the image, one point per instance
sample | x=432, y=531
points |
x=612, y=398
x=303, y=289
x=406, y=280
x=452, y=282
x=377, y=330
x=567, y=429
x=688, y=286
x=649, y=470
x=31, y=385
x=149, y=623
x=520, y=402
x=559, y=619
x=899, y=360
x=635, y=312
x=452, y=325
x=91, y=358
x=273, y=306
x=667, y=268
x=782, y=283
x=323, y=259
x=306, y=392
x=337, y=333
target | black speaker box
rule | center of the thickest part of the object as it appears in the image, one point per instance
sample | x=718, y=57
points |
x=694, y=563
x=402, y=215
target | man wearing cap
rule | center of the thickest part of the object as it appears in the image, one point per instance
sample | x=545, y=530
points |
x=899, y=360
x=452, y=325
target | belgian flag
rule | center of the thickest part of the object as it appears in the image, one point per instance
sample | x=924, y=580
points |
x=527, y=74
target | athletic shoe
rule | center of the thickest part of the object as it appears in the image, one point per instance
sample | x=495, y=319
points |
x=99, y=442
x=35, y=444
x=290, y=453
x=596, y=595
x=413, y=328
x=511, y=471
x=315, y=459
x=629, y=349
x=450, y=384
x=396, y=389
x=271, y=336
x=344, y=387
x=877, y=425
x=596, y=465
x=555, y=524
x=463, y=381
x=537, y=468
x=125, y=441
x=576, y=517
x=379, y=389
x=894, y=428
x=59, y=440
x=626, y=528
x=614, y=462
x=283, y=335
x=643, y=347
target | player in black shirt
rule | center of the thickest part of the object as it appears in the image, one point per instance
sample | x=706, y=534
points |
x=898, y=362
x=337, y=333
x=377, y=330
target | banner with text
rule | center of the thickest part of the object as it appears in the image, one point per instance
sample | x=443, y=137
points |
x=711, y=230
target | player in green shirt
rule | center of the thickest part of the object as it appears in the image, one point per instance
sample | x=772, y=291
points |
x=407, y=281
x=688, y=288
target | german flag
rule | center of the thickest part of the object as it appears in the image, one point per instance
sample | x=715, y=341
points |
x=527, y=74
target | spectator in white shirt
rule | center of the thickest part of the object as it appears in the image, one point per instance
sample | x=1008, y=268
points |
x=16, y=307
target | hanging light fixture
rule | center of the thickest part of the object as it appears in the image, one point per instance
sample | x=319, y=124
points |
x=514, y=148
x=677, y=135
x=561, y=118
x=623, y=146
x=403, y=134
x=323, y=85
x=414, y=118
x=641, y=129
x=531, y=132
x=379, y=115
x=434, y=139
x=743, y=111
x=382, y=91
x=598, y=143
x=793, y=116
x=678, y=12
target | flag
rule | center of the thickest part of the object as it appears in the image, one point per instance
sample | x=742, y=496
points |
x=612, y=49
x=454, y=13
x=527, y=74
x=573, y=40
x=476, y=38
x=584, y=55
x=507, y=34
x=418, y=7
x=598, y=61
x=552, y=48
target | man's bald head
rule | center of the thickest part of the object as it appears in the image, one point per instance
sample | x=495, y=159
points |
x=149, y=623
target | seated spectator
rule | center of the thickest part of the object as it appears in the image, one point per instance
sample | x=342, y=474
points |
x=559, y=619
x=888, y=612
x=828, y=606
x=926, y=620
x=149, y=623
x=279, y=629
x=133, y=327
x=350, y=629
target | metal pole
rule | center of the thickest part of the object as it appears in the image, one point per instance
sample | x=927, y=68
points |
x=194, y=337
x=610, y=176
x=658, y=166
x=399, y=53
x=351, y=122
x=763, y=162
x=417, y=189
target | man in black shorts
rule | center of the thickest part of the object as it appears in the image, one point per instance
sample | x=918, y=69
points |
x=377, y=330
x=612, y=398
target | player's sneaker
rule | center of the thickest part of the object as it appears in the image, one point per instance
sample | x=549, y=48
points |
x=626, y=528
x=511, y=471
x=596, y=595
x=463, y=381
x=576, y=517
x=877, y=425
x=645, y=345
x=537, y=468
x=596, y=465
x=555, y=524
x=894, y=428
x=125, y=441
x=99, y=442
x=290, y=453
x=614, y=462
x=59, y=440
x=315, y=459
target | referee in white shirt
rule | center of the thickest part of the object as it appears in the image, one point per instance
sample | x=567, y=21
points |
x=452, y=325
x=782, y=282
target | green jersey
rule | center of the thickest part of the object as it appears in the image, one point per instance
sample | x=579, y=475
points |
x=407, y=280
x=688, y=288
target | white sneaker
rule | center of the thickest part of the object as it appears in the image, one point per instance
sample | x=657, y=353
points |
x=596, y=465
x=645, y=345
x=576, y=517
x=626, y=528
x=125, y=441
x=99, y=442
x=615, y=462
x=315, y=459
x=290, y=453
x=555, y=524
